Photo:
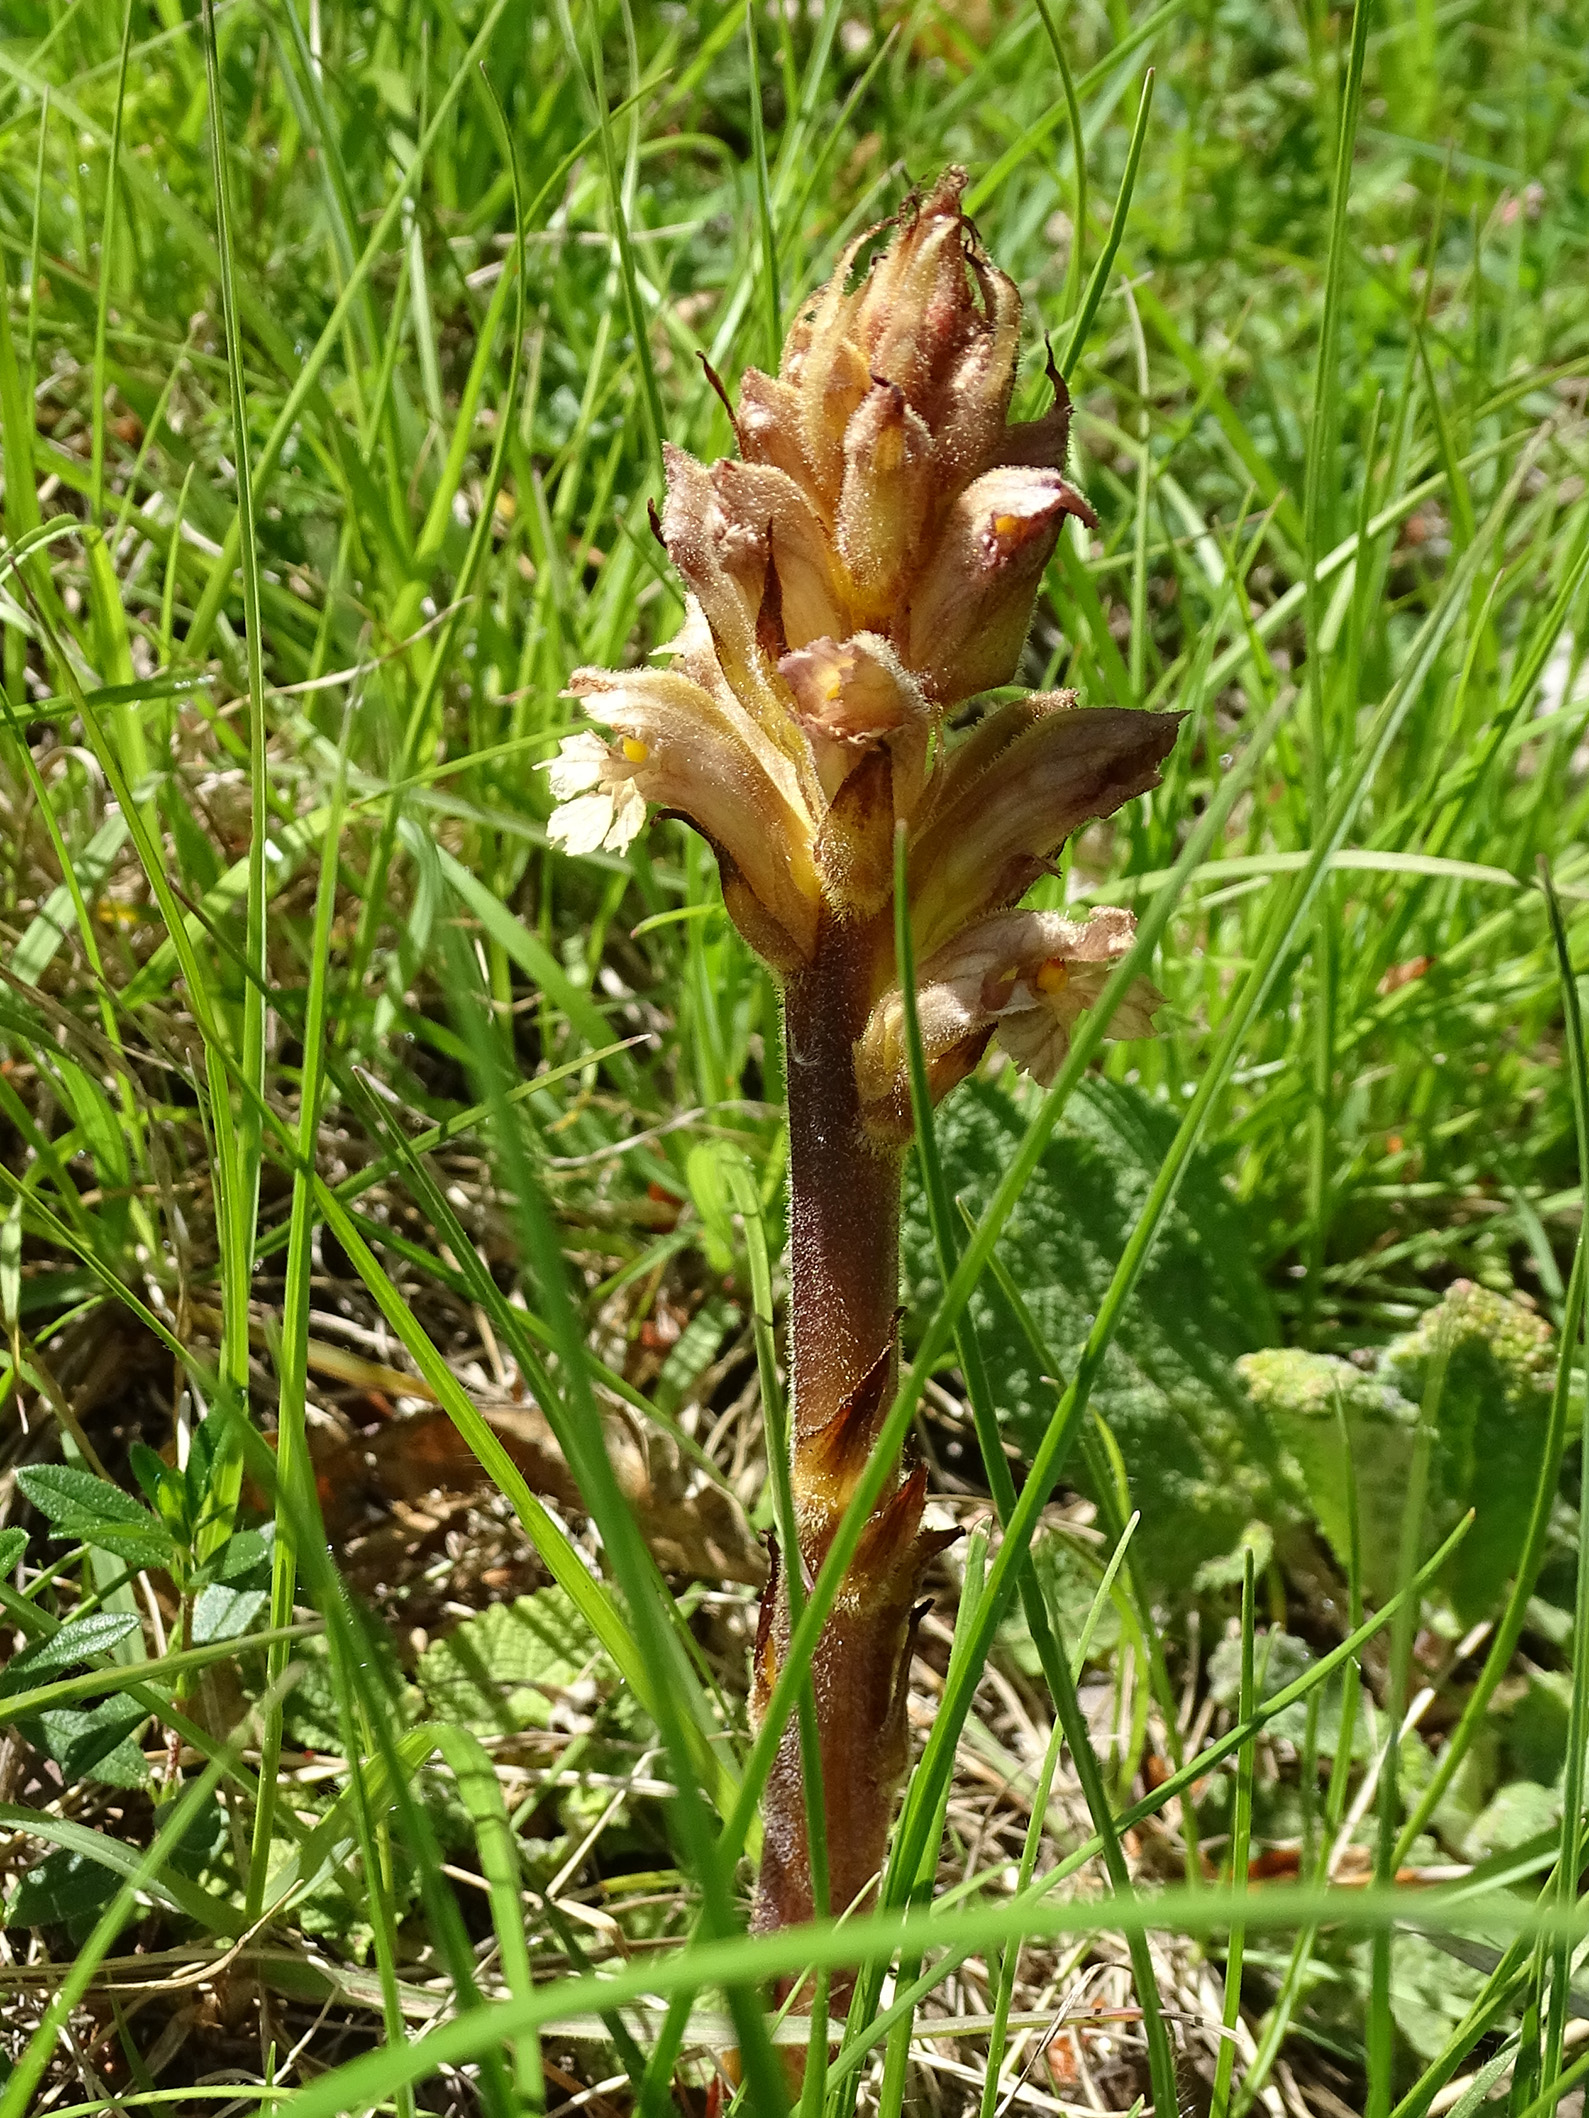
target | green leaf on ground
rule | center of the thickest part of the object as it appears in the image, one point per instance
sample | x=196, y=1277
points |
x=1516, y=1813
x=64, y=1889
x=76, y=1504
x=236, y=1589
x=93, y=1743
x=1494, y=1409
x=1201, y=1462
x=310, y=1714
x=503, y=1671
x=78, y=1640
x=1430, y=1992
x=1303, y=1396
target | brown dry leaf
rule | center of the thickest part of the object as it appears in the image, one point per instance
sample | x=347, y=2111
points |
x=1401, y=974
x=694, y=1528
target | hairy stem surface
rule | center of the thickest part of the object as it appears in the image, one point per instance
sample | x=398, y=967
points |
x=844, y=1292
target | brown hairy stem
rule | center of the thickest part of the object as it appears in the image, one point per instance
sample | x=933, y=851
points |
x=843, y=1188
x=844, y=1290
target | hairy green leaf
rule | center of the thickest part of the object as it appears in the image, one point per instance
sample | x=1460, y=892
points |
x=504, y=1670
x=78, y=1640
x=64, y=1889
x=1200, y=1459
x=76, y=1504
x=92, y=1743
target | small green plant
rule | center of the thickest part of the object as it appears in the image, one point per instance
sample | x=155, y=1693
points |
x=1353, y=1425
x=221, y=1590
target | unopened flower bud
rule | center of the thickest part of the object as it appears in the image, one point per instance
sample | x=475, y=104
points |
x=917, y=312
x=829, y=375
x=972, y=607
x=767, y=422
x=969, y=421
x=868, y=726
x=885, y=503
x=724, y=564
x=931, y=303
x=767, y=510
x=850, y=695
x=934, y=319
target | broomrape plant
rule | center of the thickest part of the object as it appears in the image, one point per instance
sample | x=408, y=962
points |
x=864, y=569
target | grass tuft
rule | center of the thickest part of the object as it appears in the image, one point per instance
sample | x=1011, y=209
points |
x=391, y=1208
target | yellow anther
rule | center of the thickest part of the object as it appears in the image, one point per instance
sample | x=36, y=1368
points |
x=634, y=750
x=1054, y=976
x=1007, y=525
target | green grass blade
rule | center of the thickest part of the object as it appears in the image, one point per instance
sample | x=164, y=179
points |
x=1318, y=526
x=292, y=1351
x=239, y=1215
x=1009, y=1961
x=1098, y=282
x=17, y=2092
x=1141, y=32
x=648, y=1615
x=499, y=1861
x=107, y=255
x=1381, y=2040
x=929, y=1791
x=1240, y=1834
x=1572, y=1801
x=306, y=377
x=1078, y=153
x=769, y=242
x=919, y=1888
x=593, y=88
